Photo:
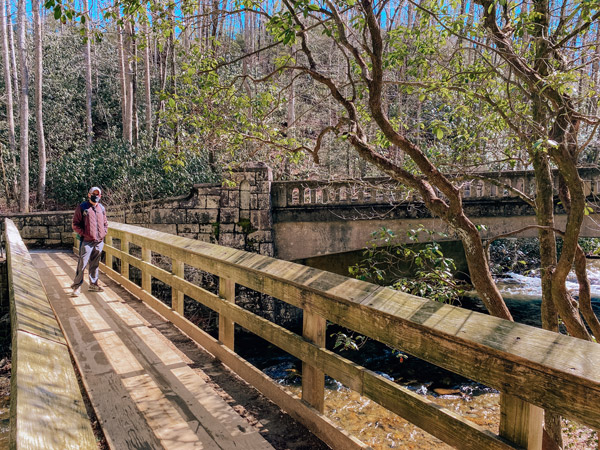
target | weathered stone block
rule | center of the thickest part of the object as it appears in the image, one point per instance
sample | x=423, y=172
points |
x=200, y=202
x=164, y=227
x=137, y=217
x=34, y=232
x=187, y=228
x=203, y=237
x=192, y=202
x=167, y=216
x=208, y=189
x=267, y=249
x=206, y=229
x=264, y=174
x=202, y=216
x=225, y=201
x=253, y=201
x=56, y=229
x=263, y=187
x=213, y=201
x=66, y=238
x=56, y=236
x=52, y=242
x=233, y=240
x=229, y=215
x=32, y=221
x=261, y=236
x=261, y=220
x=58, y=219
x=226, y=228
x=188, y=235
x=33, y=242
x=264, y=201
x=234, y=198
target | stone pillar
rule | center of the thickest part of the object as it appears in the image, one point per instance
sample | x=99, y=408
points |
x=245, y=219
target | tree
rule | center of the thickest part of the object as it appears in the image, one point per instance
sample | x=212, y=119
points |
x=24, y=108
x=88, y=74
x=6, y=60
x=41, y=147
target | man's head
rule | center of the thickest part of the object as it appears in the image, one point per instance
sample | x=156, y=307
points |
x=94, y=194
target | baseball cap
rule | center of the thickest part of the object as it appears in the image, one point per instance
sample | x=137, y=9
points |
x=95, y=188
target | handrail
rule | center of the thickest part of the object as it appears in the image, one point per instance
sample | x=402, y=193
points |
x=479, y=186
x=546, y=369
x=46, y=407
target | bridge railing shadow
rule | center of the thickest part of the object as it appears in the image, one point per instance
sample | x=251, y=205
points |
x=532, y=368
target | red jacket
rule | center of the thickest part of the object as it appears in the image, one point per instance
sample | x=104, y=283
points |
x=90, y=222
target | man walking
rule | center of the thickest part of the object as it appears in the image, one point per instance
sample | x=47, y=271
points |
x=90, y=223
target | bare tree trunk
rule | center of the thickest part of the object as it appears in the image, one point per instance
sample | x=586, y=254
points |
x=215, y=22
x=4, y=177
x=9, y=95
x=88, y=76
x=123, y=81
x=147, y=80
x=39, y=121
x=13, y=53
x=24, y=107
x=163, y=57
x=127, y=62
x=134, y=106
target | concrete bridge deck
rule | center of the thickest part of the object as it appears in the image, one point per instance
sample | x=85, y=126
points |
x=144, y=390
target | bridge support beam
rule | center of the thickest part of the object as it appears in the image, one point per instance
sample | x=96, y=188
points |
x=146, y=277
x=125, y=264
x=177, y=298
x=313, y=379
x=521, y=423
x=226, y=326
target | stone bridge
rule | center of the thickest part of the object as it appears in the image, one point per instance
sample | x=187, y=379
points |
x=299, y=220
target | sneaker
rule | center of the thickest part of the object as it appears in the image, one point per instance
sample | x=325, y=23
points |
x=95, y=288
x=76, y=291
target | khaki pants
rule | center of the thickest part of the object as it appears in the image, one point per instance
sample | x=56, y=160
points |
x=89, y=252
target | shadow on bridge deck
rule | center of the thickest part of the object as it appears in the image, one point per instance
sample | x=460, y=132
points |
x=149, y=384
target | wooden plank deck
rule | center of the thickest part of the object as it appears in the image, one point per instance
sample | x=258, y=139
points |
x=144, y=392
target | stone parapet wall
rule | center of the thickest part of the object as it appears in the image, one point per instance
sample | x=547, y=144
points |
x=236, y=214
x=43, y=229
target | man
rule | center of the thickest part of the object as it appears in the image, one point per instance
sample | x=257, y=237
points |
x=90, y=223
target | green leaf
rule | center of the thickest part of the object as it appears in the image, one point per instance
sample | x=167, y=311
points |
x=57, y=12
x=439, y=133
x=314, y=7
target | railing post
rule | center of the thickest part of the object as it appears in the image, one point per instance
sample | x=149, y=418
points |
x=177, y=269
x=146, y=277
x=521, y=422
x=124, y=264
x=313, y=379
x=109, y=259
x=226, y=326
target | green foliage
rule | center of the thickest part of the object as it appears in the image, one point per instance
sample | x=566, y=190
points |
x=514, y=255
x=348, y=340
x=418, y=269
x=126, y=174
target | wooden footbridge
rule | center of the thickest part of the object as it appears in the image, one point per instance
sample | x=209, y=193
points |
x=146, y=394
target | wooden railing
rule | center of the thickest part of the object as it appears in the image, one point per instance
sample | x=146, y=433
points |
x=529, y=366
x=373, y=191
x=46, y=407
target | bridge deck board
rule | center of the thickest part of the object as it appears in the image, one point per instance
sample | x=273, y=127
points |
x=142, y=388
